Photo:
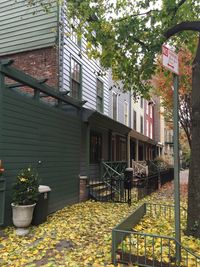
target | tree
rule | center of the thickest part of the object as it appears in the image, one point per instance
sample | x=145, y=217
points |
x=162, y=83
x=127, y=36
x=131, y=34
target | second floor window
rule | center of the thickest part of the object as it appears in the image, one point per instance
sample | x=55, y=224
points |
x=141, y=102
x=141, y=125
x=75, y=79
x=134, y=120
x=114, y=96
x=99, y=96
x=126, y=113
x=74, y=36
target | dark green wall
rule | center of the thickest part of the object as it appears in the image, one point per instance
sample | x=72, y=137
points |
x=33, y=131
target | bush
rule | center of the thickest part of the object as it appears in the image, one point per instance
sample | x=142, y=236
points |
x=161, y=163
x=25, y=190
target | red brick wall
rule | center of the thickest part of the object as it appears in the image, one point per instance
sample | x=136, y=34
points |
x=40, y=63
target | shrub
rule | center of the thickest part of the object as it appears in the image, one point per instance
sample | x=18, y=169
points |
x=25, y=190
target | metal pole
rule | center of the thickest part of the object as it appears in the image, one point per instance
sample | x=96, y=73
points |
x=176, y=168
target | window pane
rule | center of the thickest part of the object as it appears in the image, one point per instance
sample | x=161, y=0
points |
x=141, y=124
x=75, y=89
x=99, y=104
x=99, y=95
x=141, y=102
x=114, y=106
x=75, y=79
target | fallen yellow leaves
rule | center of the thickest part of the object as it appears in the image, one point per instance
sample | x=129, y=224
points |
x=76, y=236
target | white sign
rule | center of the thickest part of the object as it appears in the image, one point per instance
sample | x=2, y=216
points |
x=170, y=60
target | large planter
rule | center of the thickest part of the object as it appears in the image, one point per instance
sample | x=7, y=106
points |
x=22, y=217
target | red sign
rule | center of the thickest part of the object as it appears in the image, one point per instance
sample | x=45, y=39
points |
x=170, y=60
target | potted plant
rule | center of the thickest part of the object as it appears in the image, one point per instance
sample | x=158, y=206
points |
x=25, y=195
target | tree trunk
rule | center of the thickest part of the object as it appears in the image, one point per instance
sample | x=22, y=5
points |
x=193, y=223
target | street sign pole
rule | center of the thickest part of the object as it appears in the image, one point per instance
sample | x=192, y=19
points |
x=170, y=61
x=176, y=168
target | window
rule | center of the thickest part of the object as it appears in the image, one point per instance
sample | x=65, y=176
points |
x=141, y=102
x=134, y=120
x=95, y=147
x=75, y=79
x=114, y=96
x=141, y=124
x=99, y=96
x=147, y=108
x=126, y=113
x=74, y=37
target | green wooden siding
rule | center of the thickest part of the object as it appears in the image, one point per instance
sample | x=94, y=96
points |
x=33, y=132
x=25, y=28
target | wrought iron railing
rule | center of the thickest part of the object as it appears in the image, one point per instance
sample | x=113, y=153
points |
x=132, y=248
x=112, y=168
x=140, y=168
x=111, y=184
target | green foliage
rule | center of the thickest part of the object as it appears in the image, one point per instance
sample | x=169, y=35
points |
x=131, y=34
x=25, y=190
x=161, y=163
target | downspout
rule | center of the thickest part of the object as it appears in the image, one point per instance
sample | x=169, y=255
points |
x=60, y=38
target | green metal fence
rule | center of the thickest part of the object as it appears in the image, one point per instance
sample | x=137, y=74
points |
x=143, y=249
x=112, y=168
x=111, y=185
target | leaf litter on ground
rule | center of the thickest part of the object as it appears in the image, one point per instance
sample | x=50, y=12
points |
x=78, y=235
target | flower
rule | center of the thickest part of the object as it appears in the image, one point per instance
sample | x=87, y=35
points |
x=25, y=189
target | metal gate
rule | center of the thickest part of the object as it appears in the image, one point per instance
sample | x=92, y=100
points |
x=2, y=199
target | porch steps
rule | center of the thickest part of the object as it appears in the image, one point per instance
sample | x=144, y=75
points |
x=100, y=191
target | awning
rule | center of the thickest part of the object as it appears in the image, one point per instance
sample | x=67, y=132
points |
x=142, y=137
x=100, y=120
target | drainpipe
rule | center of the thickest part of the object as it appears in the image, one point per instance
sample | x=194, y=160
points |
x=88, y=150
x=60, y=38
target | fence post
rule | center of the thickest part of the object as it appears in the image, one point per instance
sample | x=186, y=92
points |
x=114, y=247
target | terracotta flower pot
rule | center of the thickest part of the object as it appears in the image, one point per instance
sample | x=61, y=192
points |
x=22, y=217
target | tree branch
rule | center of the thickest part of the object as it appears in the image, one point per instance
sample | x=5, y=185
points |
x=183, y=26
x=178, y=6
x=141, y=43
x=136, y=15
